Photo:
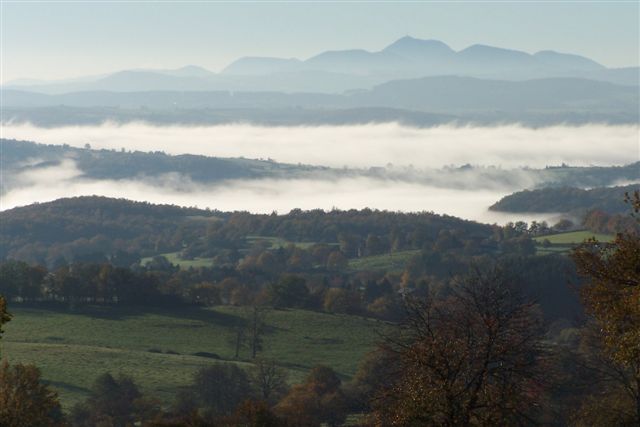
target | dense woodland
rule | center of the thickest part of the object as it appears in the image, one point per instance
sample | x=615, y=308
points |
x=97, y=246
x=482, y=329
x=566, y=199
x=24, y=156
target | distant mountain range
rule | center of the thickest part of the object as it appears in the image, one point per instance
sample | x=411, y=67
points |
x=425, y=101
x=412, y=81
x=340, y=71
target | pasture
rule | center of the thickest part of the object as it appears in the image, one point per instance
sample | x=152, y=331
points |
x=159, y=347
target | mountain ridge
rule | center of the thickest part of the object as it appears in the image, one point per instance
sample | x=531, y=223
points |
x=336, y=71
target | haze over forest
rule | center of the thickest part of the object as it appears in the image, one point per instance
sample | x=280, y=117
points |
x=483, y=106
x=236, y=214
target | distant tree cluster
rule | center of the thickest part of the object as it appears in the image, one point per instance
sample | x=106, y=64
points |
x=566, y=199
x=601, y=222
x=312, y=266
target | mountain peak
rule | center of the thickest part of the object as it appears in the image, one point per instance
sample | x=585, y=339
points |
x=190, y=71
x=408, y=44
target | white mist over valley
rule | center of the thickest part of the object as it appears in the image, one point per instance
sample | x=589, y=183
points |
x=387, y=145
x=361, y=145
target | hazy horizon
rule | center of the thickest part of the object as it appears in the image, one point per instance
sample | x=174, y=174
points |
x=59, y=40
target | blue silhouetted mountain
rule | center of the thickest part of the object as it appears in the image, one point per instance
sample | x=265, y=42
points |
x=354, y=69
x=420, y=50
x=253, y=65
x=567, y=61
x=424, y=101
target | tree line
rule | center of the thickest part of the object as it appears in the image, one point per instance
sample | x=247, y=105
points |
x=477, y=354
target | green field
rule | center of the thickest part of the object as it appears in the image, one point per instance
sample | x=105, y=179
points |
x=573, y=237
x=277, y=242
x=562, y=243
x=174, y=258
x=272, y=242
x=73, y=348
x=391, y=262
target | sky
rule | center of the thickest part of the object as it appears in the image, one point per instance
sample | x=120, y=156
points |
x=56, y=40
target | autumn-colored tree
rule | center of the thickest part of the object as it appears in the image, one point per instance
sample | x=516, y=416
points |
x=336, y=261
x=375, y=372
x=471, y=358
x=252, y=413
x=4, y=314
x=338, y=300
x=318, y=400
x=24, y=400
x=612, y=297
x=601, y=390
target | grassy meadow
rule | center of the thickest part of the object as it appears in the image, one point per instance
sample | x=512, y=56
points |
x=175, y=259
x=563, y=242
x=395, y=261
x=158, y=347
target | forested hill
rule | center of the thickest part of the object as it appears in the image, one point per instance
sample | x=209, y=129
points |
x=77, y=227
x=191, y=254
x=19, y=157
x=111, y=164
x=567, y=199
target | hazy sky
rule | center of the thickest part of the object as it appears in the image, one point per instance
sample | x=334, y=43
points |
x=52, y=40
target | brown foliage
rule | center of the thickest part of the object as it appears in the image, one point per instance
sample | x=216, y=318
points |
x=317, y=400
x=24, y=400
x=4, y=314
x=472, y=358
x=612, y=297
x=251, y=413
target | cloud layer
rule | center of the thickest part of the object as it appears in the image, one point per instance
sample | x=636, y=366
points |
x=264, y=195
x=362, y=146
x=463, y=194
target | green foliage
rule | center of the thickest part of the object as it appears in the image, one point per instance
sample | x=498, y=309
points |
x=290, y=291
x=99, y=228
x=113, y=401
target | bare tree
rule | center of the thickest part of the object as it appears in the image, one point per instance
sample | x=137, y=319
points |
x=474, y=357
x=269, y=379
x=238, y=338
x=256, y=328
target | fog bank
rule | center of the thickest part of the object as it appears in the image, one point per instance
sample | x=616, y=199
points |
x=362, y=146
x=264, y=195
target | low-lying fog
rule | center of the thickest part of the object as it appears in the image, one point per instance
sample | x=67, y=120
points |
x=267, y=195
x=353, y=146
x=361, y=146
